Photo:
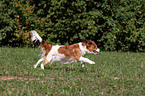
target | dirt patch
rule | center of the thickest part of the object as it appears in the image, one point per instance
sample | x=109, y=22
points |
x=8, y=78
x=15, y=77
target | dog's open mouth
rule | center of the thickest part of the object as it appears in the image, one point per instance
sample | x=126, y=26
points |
x=95, y=52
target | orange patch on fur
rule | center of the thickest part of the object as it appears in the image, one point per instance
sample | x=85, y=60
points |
x=46, y=48
x=71, y=51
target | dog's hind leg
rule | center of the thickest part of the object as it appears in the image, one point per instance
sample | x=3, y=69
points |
x=82, y=64
x=40, y=60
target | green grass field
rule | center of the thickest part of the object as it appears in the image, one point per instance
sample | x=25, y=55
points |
x=115, y=73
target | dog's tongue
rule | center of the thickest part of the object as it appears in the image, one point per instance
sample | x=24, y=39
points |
x=95, y=52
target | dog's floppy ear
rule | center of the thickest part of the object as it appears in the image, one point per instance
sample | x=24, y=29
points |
x=87, y=41
x=90, y=43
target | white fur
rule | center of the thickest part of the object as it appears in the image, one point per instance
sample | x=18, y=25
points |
x=83, y=65
x=35, y=36
x=83, y=59
x=83, y=49
x=40, y=60
x=98, y=50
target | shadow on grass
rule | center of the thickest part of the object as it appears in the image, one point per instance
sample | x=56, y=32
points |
x=67, y=69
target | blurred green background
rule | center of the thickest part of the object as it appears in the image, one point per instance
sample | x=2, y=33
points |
x=115, y=25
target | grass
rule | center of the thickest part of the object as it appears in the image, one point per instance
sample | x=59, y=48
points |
x=115, y=73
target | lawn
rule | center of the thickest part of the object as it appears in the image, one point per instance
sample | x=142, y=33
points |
x=115, y=73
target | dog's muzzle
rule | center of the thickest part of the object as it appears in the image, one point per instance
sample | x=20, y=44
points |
x=95, y=51
x=98, y=50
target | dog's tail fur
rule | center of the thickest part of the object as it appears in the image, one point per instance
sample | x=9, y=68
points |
x=43, y=44
x=35, y=36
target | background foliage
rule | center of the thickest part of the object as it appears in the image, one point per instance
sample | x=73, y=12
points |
x=112, y=24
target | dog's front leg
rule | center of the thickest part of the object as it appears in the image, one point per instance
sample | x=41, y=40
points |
x=46, y=60
x=40, y=60
x=83, y=59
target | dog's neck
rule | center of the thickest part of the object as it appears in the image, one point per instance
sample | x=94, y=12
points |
x=82, y=48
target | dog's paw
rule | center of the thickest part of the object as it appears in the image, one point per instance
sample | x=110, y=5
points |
x=42, y=67
x=92, y=62
x=35, y=66
x=83, y=65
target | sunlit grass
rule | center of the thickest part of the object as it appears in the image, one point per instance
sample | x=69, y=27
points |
x=113, y=74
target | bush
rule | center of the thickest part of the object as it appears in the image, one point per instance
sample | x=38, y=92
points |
x=113, y=25
x=6, y=22
x=126, y=26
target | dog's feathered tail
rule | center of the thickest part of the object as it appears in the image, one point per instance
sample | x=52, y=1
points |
x=43, y=44
x=35, y=36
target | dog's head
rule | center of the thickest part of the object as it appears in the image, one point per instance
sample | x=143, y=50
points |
x=91, y=47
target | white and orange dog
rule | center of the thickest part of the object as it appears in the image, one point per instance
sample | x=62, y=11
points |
x=65, y=54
